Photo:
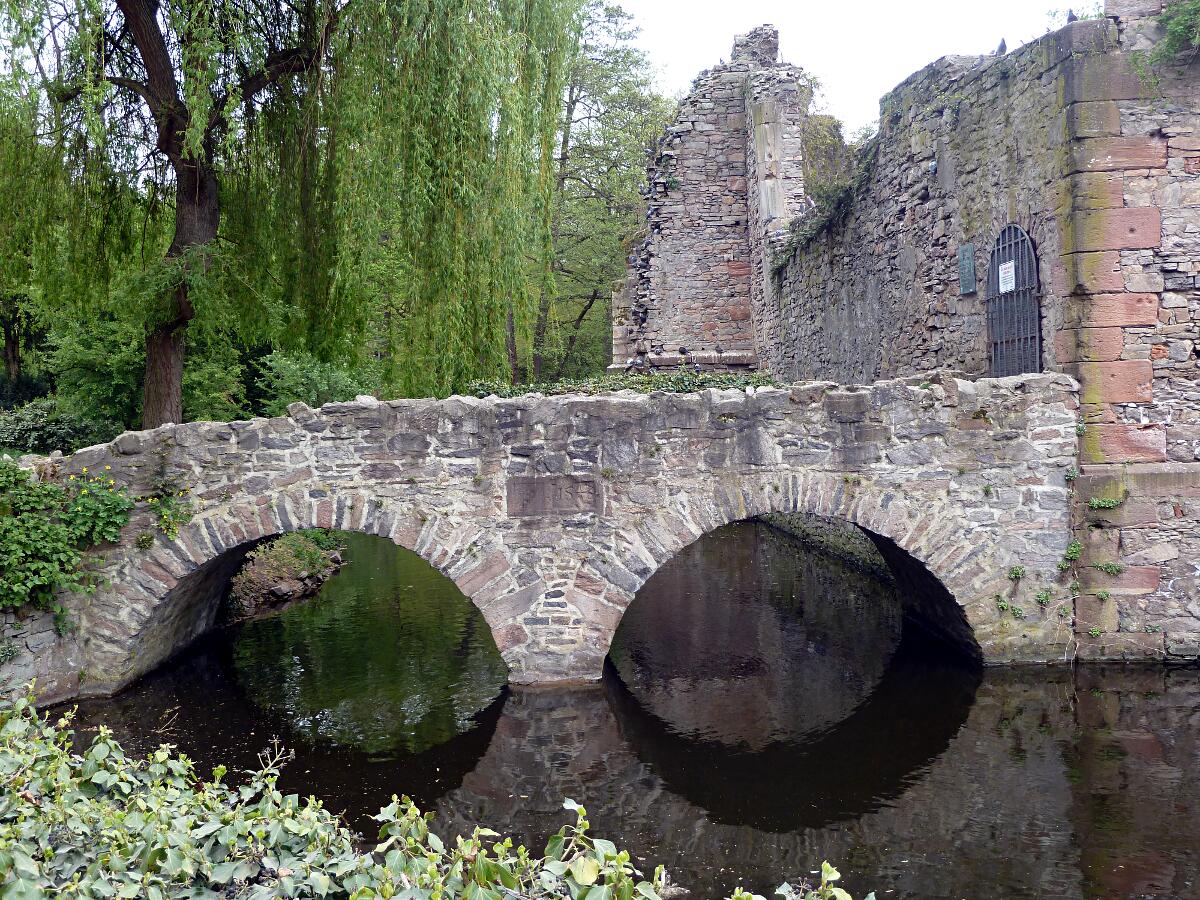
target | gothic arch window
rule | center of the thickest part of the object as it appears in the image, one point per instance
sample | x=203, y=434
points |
x=1013, y=315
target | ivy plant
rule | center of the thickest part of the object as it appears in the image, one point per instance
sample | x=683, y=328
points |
x=45, y=529
x=95, y=823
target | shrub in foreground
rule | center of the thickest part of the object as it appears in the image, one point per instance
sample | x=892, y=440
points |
x=98, y=824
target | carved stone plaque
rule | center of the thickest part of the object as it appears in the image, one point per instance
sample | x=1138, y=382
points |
x=551, y=495
x=966, y=270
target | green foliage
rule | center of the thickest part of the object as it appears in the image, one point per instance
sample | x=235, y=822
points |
x=381, y=173
x=1074, y=551
x=1110, y=568
x=289, y=556
x=172, y=509
x=1180, y=24
x=1016, y=573
x=611, y=115
x=97, y=823
x=44, y=529
x=41, y=426
x=287, y=378
x=1043, y=597
x=9, y=650
x=1095, y=632
x=1103, y=595
x=681, y=381
x=1104, y=502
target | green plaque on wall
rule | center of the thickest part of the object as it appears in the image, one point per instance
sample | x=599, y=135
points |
x=966, y=269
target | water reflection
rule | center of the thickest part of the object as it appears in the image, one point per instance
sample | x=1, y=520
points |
x=747, y=639
x=834, y=733
x=388, y=658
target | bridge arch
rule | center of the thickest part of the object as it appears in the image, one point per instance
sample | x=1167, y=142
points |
x=550, y=512
x=162, y=599
x=973, y=573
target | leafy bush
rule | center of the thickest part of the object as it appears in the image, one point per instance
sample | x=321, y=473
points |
x=677, y=382
x=41, y=427
x=290, y=377
x=98, y=824
x=44, y=529
x=1180, y=23
x=284, y=558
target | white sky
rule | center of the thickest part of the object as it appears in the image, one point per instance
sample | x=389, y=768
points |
x=858, y=49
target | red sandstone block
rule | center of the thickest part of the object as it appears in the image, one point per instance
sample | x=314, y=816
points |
x=1110, y=310
x=1133, y=580
x=1104, y=76
x=1091, y=612
x=738, y=269
x=1192, y=166
x=1097, y=190
x=1109, y=154
x=1089, y=344
x=1094, y=119
x=1124, y=443
x=1092, y=273
x=1134, y=228
x=1124, y=381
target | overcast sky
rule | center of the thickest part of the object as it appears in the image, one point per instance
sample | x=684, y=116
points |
x=858, y=49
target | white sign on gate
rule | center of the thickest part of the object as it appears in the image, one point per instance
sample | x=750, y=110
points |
x=1008, y=277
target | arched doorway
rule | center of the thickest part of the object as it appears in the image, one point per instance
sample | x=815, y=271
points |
x=1013, y=314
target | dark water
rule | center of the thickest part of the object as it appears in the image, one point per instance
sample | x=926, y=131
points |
x=766, y=707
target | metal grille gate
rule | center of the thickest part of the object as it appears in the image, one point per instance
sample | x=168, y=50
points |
x=1013, y=316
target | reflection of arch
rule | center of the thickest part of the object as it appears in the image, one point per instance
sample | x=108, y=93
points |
x=167, y=596
x=1013, y=318
x=971, y=571
x=232, y=732
x=853, y=768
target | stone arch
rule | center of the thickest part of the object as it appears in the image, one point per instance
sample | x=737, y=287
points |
x=160, y=600
x=972, y=569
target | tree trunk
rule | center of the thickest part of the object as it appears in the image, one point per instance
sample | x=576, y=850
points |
x=511, y=341
x=12, y=345
x=564, y=150
x=197, y=216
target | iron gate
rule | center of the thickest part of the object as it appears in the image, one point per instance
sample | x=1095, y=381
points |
x=1013, y=317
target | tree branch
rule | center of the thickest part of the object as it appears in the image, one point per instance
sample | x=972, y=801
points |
x=292, y=61
x=137, y=87
x=142, y=23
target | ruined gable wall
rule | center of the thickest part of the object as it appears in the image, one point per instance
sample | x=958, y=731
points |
x=690, y=280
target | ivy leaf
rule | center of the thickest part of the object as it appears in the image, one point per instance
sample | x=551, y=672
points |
x=585, y=870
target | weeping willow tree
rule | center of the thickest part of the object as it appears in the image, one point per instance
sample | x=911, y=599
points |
x=307, y=174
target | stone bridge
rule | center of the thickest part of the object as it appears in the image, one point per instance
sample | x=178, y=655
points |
x=549, y=512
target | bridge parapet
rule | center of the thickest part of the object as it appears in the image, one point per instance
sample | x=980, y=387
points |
x=549, y=512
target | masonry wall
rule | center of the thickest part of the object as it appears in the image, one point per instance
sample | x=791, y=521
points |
x=726, y=168
x=1099, y=166
x=965, y=146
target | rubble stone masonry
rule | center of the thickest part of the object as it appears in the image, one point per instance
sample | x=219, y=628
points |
x=1099, y=164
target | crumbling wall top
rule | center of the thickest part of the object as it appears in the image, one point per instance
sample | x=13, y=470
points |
x=760, y=46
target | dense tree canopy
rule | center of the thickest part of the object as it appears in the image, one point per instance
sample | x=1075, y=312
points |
x=286, y=174
x=221, y=206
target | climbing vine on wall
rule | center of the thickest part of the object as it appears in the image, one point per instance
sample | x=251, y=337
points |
x=46, y=528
